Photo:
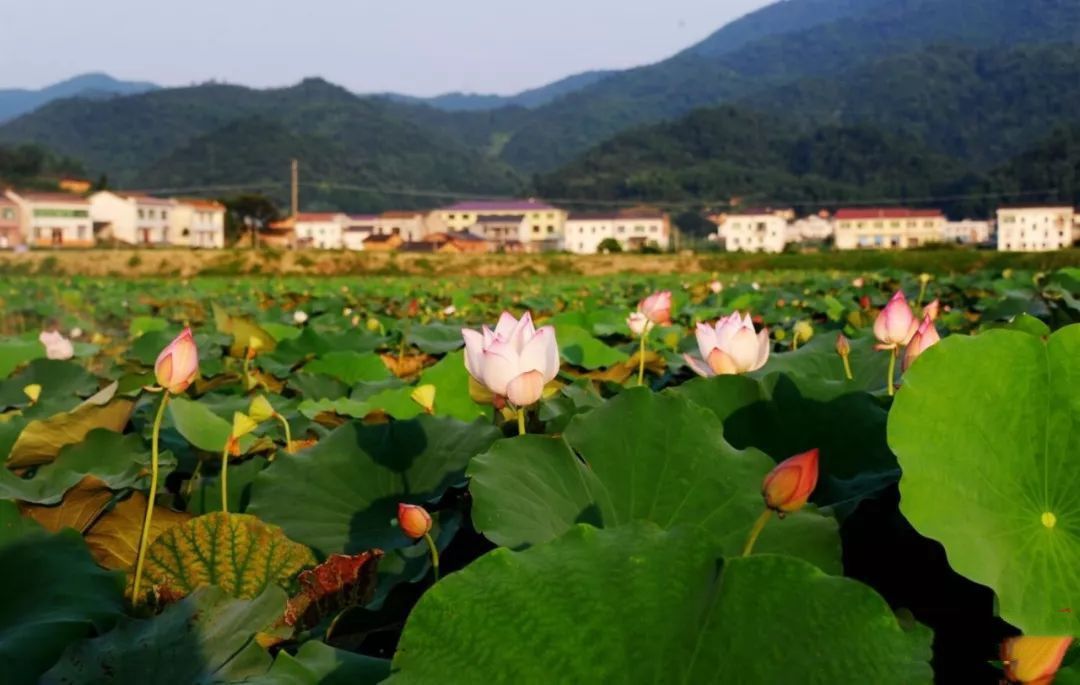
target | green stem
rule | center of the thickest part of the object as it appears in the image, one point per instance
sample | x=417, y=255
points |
x=521, y=421
x=922, y=293
x=247, y=371
x=190, y=487
x=641, y=359
x=288, y=433
x=794, y=341
x=892, y=371
x=225, y=478
x=847, y=368
x=434, y=555
x=144, y=539
x=759, y=525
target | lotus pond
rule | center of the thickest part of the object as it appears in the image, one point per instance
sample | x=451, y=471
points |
x=858, y=478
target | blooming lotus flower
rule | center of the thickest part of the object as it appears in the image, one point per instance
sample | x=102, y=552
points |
x=300, y=316
x=514, y=361
x=178, y=364
x=895, y=324
x=789, y=484
x=1033, y=659
x=933, y=310
x=639, y=324
x=413, y=520
x=925, y=338
x=730, y=347
x=56, y=345
x=657, y=308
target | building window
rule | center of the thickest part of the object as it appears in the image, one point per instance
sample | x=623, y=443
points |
x=551, y=229
x=536, y=229
x=142, y=214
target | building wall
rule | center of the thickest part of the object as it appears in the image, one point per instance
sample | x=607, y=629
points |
x=55, y=221
x=888, y=233
x=323, y=234
x=1034, y=229
x=809, y=229
x=152, y=221
x=966, y=232
x=197, y=225
x=584, y=235
x=11, y=233
x=754, y=233
x=118, y=212
x=541, y=225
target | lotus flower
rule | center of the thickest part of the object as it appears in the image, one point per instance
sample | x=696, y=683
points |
x=895, y=324
x=300, y=316
x=413, y=520
x=657, y=308
x=858, y=282
x=178, y=364
x=639, y=324
x=717, y=287
x=1033, y=659
x=843, y=345
x=514, y=361
x=729, y=347
x=933, y=310
x=56, y=345
x=789, y=484
x=925, y=338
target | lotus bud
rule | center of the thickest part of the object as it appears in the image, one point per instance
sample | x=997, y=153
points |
x=76, y=332
x=372, y=324
x=924, y=278
x=449, y=310
x=730, y=347
x=414, y=307
x=1033, y=659
x=260, y=409
x=56, y=345
x=178, y=364
x=933, y=310
x=424, y=395
x=514, y=361
x=657, y=308
x=639, y=324
x=300, y=316
x=895, y=324
x=413, y=520
x=803, y=331
x=717, y=287
x=864, y=302
x=858, y=282
x=843, y=346
x=925, y=338
x=789, y=484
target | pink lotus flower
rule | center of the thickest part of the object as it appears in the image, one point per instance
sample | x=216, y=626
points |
x=178, y=364
x=639, y=324
x=514, y=361
x=730, y=347
x=413, y=520
x=56, y=345
x=789, y=484
x=895, y=324
x=925, y=338
x=933, y=310
x=657, y=308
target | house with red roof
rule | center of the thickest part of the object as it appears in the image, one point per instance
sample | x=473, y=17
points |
x=132, y=218
x=887, y=228
x=197, y=222
x=540, y=226
x=53, y=219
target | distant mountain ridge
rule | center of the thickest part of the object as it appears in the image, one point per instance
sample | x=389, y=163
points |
x=15, y=102
x=533, y=97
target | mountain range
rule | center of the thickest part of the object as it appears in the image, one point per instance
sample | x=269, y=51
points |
x=17, y=101
x=938, y=90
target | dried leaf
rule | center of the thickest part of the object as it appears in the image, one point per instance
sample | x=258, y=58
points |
x=79, y=509
x=114, y=539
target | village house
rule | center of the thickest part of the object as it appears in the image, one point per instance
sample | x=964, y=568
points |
x=386, y=242
x=966, y=232
x=410, y=224
x=10, y=228
x=1035, y=229
x=753, y=230
x=195, y=222
x=279, y=234
x=632, y=229
x=887, y=228
x=320, y=230
x=53, y=219
x=131, y=218
x=358, y=228
x=541, y=229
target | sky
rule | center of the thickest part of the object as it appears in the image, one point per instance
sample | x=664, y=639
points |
x=420, y=48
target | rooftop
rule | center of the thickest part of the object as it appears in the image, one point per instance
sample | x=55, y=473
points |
x=887, y=213
x=499, y=218
x=530, y=205
x=401, y=214
x=317, y=216
x=66, y=198
x=200, y=203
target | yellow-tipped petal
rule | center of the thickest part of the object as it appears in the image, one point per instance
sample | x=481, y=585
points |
x=260, y=409
x=242, y=424
x=33, y=391
x=424, y=395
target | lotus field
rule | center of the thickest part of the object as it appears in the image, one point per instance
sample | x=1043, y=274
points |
x=796, y=477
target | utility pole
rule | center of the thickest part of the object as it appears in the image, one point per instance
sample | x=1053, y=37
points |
x=295, y=188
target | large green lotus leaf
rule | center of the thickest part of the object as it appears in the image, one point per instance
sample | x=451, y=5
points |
x=435, y=338
x=987, y=432
x=578, y=347
x=341, y=494
x=643, y=457
x=58, y=380
x=14, y=352
x=636, y=604
x=350, y=367
x=201, y=426
x=51, y=593
x=452, y=398
x=818, y=360
x=784, y=415
x=119, y=461
x=237, y=552
x=206, y=638
x=317, y=663
x=13, y=525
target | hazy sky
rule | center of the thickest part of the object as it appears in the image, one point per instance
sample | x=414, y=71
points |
x=422, y=47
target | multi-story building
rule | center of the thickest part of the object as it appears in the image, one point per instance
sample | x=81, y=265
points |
x=132, y=218
x=541, y=228
x=966, y=232
x=358, y=228
x=1034, y=229
x=321, y=230
x=195, y=222
x=753, y=230
x=887, y=228
x=10, y=228
x=632, y=229
x=53, y=219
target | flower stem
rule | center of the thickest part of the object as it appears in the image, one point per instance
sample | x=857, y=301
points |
x=922, y=294
x=794, y=342
x=847, y=368
x=521, y=421
x=434, y=555
x=641, y=359
x=288, y=433
x=144, y=539
x=225, y=477
x=892, y=371
x=759, y=525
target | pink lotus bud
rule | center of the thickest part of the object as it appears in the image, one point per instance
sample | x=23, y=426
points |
x=717, y=287
x=56, y=345
x=789, y=484
x=895, y=324
x=730, y=347
x=924, y=338
x=509, y=354
x=933, y=310
x=178, y=364
x=843, y=347
x=657, y=307
x=413, y=520
x=639, y=324
x=1033, y=659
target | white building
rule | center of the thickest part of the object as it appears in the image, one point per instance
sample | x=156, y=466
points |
x=358, y=227
x=1034, y=229
x=967, y=232
x=197, y=223
x=542, y=226
x=753, y=230
x=809, y=229
x=53, y=219
x=632, y=229
x=321, y=230
x=132, y=218
x=411, y=225
x=887, y=228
